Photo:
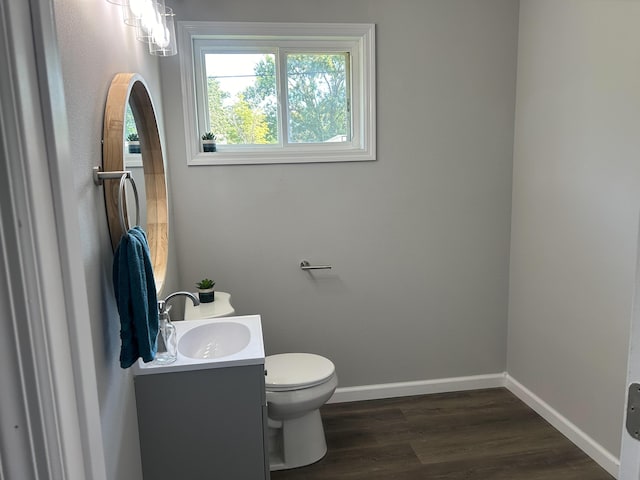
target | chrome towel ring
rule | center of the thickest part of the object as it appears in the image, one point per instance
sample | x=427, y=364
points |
x=98, y=178
x=124, y=224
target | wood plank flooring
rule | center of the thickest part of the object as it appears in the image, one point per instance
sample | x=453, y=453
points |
x=476, y=435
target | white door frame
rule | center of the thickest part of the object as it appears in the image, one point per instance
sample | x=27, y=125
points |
x=630, y=451
x=49, y=413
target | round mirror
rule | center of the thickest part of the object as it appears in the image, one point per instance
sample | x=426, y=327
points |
x=129, y=91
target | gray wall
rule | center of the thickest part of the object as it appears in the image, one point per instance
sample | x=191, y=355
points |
x=419, y=239
x=575, y=207
x=94, y=46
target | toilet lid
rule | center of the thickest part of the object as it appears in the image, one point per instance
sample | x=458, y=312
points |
x=293, y=371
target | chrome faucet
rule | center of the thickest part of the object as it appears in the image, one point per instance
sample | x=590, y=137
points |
x=163, y=308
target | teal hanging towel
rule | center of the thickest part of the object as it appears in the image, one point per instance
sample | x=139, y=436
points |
x=136, y=297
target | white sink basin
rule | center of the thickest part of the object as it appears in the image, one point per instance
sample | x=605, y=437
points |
x=212, y=343
x=214, y=340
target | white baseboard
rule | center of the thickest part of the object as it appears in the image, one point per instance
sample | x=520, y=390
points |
x=421, y=387
x=583, y=441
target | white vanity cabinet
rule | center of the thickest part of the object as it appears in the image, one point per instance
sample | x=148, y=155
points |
x=203, y=424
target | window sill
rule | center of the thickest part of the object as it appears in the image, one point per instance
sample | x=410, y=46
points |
x=254, y=158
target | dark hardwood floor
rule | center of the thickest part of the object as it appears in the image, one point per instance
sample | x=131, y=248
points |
x=476, y=435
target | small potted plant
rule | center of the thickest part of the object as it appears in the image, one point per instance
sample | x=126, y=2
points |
x=133, y=142
x=205, y=290
x=208, y=142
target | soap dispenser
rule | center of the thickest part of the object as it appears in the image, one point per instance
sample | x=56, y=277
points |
x=167, y=351
x=167, y=338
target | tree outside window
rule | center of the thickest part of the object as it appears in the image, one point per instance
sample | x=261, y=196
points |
x=243, y=101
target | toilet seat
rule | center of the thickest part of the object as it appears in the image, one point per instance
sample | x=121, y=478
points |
x=296, y=371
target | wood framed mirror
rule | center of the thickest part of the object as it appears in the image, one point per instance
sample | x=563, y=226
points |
x=130, y=89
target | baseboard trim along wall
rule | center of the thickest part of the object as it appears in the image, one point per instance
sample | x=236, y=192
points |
x=583, y=441
x=421, y=387
x=425, y=387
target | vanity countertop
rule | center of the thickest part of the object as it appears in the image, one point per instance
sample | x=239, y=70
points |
x=251, y=354
x=220, y=307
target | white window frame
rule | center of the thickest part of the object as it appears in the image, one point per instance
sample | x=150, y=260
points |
x=357, y=39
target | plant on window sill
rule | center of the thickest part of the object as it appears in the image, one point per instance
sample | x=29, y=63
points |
x=208, y=142
x=133, y=142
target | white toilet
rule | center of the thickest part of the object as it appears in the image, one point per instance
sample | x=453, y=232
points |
x=297, y=385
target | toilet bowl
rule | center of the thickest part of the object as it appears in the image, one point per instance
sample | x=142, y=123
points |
x=297, y=385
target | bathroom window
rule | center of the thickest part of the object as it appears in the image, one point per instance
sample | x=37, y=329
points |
x=278, y=93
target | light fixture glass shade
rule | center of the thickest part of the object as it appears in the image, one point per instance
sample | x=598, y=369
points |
x=142, y=35
x=137, y=7
x=129, y=16
x=150, y=16
x=148, y=19
x=151, y=19
x=163, y=37
x=154, y=24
